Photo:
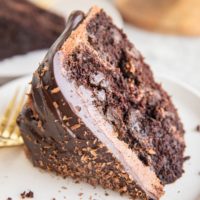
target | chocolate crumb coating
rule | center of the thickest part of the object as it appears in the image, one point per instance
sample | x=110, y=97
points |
x=25, y=27
x=96, y=114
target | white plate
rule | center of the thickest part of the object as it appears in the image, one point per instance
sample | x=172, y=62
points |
x=17, y=173
x=21, y=64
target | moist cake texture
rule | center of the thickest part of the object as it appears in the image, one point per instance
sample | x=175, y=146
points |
x=25, y=27
x=96, y=114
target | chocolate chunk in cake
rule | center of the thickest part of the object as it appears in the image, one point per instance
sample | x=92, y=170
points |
x=25, y=27
x=96, y=114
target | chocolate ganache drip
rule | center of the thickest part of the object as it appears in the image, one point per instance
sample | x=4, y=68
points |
x=45, y=92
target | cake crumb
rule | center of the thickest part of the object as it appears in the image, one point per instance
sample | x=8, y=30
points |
x=55, y=104
x=106, y=194
x=80, y=194
x=76, y=126
x=25, y=194
x=78, y=108
x=77, y=182
x=198, y=128
x=64, y=188
x=186, y=158
x=199, y=173
x=9, y=198
x=55, y=90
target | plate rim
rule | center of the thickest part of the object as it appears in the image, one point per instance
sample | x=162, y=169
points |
x=19, y=58
x=179, y=83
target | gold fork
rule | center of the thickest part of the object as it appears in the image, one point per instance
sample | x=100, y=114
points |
x=9, y=131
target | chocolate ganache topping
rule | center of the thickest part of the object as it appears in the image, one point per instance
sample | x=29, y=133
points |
x=46, y=96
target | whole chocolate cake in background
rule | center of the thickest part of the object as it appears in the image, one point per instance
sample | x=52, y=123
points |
x=25, y=27
x=96, y=114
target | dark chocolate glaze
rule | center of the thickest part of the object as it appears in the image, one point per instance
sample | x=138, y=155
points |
x=74, y=20
x=44, y=99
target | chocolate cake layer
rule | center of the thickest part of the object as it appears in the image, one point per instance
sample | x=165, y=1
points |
x=95, y=112
x=25, y=27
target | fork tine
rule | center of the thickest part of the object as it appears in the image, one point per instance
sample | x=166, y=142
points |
x=10, y=142
x=8, y=112
x=17, y=131
x=13, y=125
x=17, y=136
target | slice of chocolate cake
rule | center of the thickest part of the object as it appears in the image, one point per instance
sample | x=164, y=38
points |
x=25, y=27
x=96, y=114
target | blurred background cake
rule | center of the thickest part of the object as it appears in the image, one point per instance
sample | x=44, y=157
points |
x=166, y=16
x=25, y=27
